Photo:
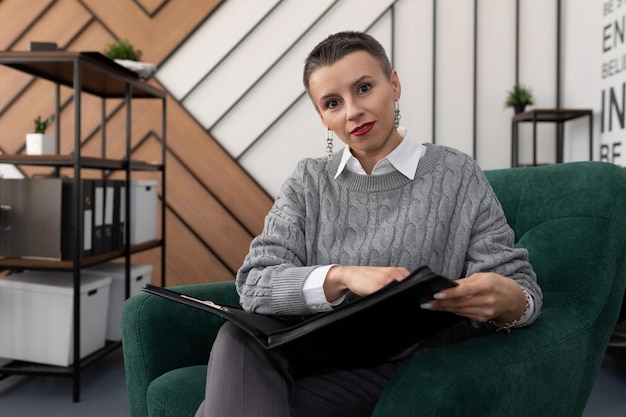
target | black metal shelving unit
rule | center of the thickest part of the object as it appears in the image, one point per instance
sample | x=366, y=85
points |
x=92, y=73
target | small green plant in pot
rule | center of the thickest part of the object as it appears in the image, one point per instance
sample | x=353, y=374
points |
x=38, y=143
x=122, y=49
x=125, y=54
x=519, y=97
x=42, y=125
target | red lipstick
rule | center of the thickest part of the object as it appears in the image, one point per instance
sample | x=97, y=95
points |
x=363, y=129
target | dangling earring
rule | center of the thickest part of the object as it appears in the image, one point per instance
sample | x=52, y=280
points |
x=396, y=119
x=329, y=143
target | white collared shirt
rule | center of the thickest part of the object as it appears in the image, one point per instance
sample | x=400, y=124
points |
x=404, y=158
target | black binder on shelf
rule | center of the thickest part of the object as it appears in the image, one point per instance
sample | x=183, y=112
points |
x=67, y=227
x=109, y=197
x=117, y=241
x=98, y=217
x=367, y=330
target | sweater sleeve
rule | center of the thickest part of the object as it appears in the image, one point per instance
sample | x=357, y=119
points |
x=271, y=279
x=491, y=248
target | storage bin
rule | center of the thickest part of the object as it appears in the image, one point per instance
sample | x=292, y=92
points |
x=143, y=209
x=140, y=275
x=37, y=316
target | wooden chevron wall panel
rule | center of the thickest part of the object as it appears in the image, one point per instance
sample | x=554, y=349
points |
x=213, y=207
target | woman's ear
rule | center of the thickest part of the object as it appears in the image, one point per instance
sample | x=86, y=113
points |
x=395, y=84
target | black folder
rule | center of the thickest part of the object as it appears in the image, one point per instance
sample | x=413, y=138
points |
x=118, y=240
x=364, y=331
x=109, y=206
x=98, y=238
x=67, y=217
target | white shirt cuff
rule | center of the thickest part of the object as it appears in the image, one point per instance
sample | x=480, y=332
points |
x=313, y=290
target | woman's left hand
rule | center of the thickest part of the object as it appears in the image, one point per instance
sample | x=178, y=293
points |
x=482, y=297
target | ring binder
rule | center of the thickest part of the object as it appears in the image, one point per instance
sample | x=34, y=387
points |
x=367, y=330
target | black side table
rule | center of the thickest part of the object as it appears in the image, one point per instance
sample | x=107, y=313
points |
x=558, y=116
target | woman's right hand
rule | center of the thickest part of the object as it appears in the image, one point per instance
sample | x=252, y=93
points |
x=361, y=280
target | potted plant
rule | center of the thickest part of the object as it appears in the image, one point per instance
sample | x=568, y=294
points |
x=125, y=54
x=122, y=49
x=38, y=143
x=519, y=97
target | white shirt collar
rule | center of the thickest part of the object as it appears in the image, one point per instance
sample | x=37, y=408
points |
x=404, y=158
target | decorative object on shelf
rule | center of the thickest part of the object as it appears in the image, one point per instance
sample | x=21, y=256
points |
x=124, y=53
x=519, y=97
x=38, y=143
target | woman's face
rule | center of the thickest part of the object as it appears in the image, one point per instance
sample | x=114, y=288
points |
x=355, y=99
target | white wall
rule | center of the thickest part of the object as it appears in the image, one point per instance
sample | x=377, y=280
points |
x=240, y=74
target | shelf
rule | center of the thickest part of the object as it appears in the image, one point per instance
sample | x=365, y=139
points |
x=551, y=115
x=92, y=73
x=30, y=368
x=68, y=265
x=99, y=76
x=85, y=162
x=557, y=116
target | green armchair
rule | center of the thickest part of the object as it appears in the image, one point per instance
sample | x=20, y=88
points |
x=572, y=219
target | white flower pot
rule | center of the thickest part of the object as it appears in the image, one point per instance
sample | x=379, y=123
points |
x=39, y=144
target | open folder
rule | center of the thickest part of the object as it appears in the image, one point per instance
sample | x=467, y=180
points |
x=366, y=330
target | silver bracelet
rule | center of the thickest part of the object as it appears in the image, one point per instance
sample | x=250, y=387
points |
x=506, y=327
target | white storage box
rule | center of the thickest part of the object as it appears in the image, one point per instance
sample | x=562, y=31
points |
x=140, y=275
x=37, y=316
x=143, y=209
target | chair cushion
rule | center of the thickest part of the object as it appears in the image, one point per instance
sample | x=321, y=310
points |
x=177, y=393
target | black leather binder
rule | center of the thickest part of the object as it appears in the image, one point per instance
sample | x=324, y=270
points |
x=118, y=215
x=98, y=217
x=109, y=205
x=68, y=210
x=367, y=330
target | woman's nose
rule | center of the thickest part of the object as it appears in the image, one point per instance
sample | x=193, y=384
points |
x=353, y=110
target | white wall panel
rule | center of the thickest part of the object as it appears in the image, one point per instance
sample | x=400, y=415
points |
x=495, y=76
x=282, y=87
x=297, y=135
x=538, y=71
x=454, y=89
x=581, y=55
x=252, y=58
x=273, y=124
x=210, y=43
x=413, y=36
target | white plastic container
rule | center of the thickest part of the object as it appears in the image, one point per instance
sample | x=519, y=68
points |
x=143, y=208
x=140, y=275
x=37, y=316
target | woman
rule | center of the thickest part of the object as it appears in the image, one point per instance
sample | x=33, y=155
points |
x=351, y=223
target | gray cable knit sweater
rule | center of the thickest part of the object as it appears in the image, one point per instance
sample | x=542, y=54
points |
x=448, y=218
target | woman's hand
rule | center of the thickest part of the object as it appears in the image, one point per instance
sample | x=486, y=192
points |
x=361, y=280
x=482, y=297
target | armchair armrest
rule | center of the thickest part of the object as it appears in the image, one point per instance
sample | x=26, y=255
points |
x=159, y=335
x=519, y=374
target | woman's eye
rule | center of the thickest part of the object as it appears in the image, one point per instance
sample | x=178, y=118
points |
x=331, y=104
x=365, y=88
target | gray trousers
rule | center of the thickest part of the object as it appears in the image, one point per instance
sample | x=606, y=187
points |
x=243, y=379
